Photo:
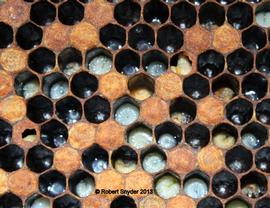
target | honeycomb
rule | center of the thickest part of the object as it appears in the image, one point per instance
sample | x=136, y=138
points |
x=134, y=103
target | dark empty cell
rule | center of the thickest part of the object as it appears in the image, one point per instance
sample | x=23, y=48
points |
x=225, y=2
x=141, y=37
x=112, y=36
x=254, y=1
x=95, y=159
x=69, y=110
x=42, y=13
x=238, y=159
x=141, y=86
x=11, y=158
x=124, y=159
x=39, y=109
x=196, y=184
x=55, y=85
x=210, y=63
x=52, y=183
x=123, y=202
x=196, y=87
x=5, y=133
x=127, y=62
x=254, y=135
x=155, y=12
x=254, y=86
x=56, y=1
x=183, y=15
x=240, y=61
x=263, y=111
x=155, y=63
x=6, y=33
x=28, y=36
x=54, y=134
x=39, y=158
x=263, y=203
x=254, y=38
x=262, y=160
x=225, y=87
x=254, y=184
x=182, y=110
x=239, y=111
x=97, y=109
x=240, y=15
x=70, y=12
x=169, y=38
x=84, y=85
x=66, y=201
x=211, y=15
x=224, y=184
x=197, y=136
x=170, y=1
x=197, y=2
x=99, y=61
x=26, y=84
x=81, y=183
x=10, y=200
x=70, y=60
x=263, y=61
x=210, y=201
x=85, y=1
x=127, y=12
x=41, y=60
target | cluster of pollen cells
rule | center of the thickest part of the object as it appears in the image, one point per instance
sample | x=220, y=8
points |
x=165, y=97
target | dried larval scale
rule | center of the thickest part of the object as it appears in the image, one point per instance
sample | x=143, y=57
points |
x=134, y=103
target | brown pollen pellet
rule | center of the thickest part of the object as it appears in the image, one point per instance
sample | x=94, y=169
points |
x=6, y=83
x=84, y=36
x=154, y=110
x=98, y=13
x=152, y=201
x=23, y=182
x=67, y=160
x=181, y=201
x=13, y=108
x=226, y=39
x=117, y=85
x=168, y=86
x=210, y=159
x=110, y=135
x=138, y=180
x=14, y=12
x=13, y=60
x=197, y=39
x=3, y=181
x=56, y=36
x=81, y=135
x=184, y=165
x=95, y=201
x=210, y=110
x=110, y=180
